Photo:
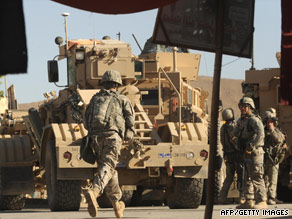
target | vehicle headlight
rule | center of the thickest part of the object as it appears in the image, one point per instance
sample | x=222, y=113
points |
x=80, y=55
x=190, y=155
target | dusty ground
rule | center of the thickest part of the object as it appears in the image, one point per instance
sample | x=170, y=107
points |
x=142, y=212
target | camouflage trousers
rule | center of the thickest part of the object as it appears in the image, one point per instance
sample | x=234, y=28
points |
x=271, y=179
x=107, y=150
x=254, y=186
x=230, y=171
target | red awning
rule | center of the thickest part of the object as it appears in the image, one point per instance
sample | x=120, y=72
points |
x=115, y=6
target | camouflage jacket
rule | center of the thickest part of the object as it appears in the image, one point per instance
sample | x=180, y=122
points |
x=122, y=120
x=273, y=138
x=249, y=130
x=227, y=137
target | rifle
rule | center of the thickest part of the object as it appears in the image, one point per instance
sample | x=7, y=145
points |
x=282, y=149
x=240, y=175
x=268, y=154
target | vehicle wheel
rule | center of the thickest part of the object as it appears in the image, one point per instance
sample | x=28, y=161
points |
x=13, y=202
x=10, y=202
x=104, y=202
x=137, y=196
x=186, y=193
x=127, y=197
x=63, y=195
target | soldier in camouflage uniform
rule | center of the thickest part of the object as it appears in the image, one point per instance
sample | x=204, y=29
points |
x=273, y=141
x=230, y=152
x=107, y=144
x=250, y=135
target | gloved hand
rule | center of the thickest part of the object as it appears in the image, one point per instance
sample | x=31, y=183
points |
x=248, y=149
x=129, y=134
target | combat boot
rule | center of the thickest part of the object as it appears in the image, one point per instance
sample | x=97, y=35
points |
x=248, y=204
x=278, y=201
x=271, y=201
x=241, y=200
x=261, y=205
x=119, y=208
x=91, y=195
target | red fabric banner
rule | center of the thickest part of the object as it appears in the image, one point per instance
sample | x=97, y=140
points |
x=115, y=6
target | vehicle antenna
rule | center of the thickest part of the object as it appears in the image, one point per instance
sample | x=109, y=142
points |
x=137, y=42
x=65, y=14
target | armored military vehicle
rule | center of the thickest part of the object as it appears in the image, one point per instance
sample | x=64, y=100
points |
x=16, y=155
x=171, y=122
x=264, y=87
x=169, y=152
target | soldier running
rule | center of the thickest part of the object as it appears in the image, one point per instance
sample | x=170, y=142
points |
x=109, y=118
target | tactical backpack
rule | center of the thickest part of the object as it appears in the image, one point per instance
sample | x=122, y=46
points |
x=99, y=110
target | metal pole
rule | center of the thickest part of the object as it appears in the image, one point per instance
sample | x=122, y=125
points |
x=5, y=80
x=137, y=42
x=66, y=31
x=214, y=109
x=174, y=49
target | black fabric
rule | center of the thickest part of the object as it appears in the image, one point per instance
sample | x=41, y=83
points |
x=13, y=52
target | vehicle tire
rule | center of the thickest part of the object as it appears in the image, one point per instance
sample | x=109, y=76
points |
x=13, y=202
x=104, y=202
x=137, y=197
x=127, y=197
x=186, y=193
x=63, y=195
x=10, y=202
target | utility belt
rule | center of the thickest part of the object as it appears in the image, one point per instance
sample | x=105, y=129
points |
x=243, y=146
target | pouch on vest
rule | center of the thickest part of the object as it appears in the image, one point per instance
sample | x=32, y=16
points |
x=86, y=152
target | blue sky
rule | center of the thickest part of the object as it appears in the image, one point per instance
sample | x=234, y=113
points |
x=44, y=22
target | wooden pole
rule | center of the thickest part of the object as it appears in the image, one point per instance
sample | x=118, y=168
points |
x=214, y=109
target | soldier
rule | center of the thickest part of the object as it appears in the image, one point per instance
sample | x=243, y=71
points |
x=230, y=152
x=109, y=118
x=274, y=139
x=250, y=135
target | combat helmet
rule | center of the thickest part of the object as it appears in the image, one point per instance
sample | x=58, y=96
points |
x=268, y=115
x=111, y=76
x=246, y=100
x=273, y=111
x=228, y=114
